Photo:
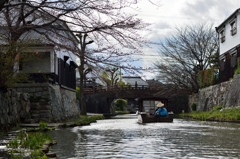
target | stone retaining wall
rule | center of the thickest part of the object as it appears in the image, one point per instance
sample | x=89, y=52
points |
x=226, y=94
x=50, y=103
x=14, y=107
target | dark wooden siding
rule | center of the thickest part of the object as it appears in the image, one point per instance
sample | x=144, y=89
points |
x=228, y=67
x=67, y=74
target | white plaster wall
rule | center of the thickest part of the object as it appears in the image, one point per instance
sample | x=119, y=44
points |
x=230, y=41
x=43, y=64
x=47, y=64
x=62, y=53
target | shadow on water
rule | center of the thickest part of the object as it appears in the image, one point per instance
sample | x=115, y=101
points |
x=122, y=137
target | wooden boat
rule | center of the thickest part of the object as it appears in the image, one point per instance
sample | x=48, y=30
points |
x=147, y=107
x=143, y=117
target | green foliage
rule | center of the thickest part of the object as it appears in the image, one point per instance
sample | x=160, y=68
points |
x=217, y=113
x=121, y=104
x=13, y=143
x=215, y=108
x=89, y=119
x=35, y=140
x=38, y=154
x=43, y=125
x=30, y=140
x=77, y=92
x=83, y=120
x=194, y=106
x=206, y=78
x=237, y=71
x=121, y=83
x=213, y=60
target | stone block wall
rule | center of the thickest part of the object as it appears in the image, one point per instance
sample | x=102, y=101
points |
x=50, y=103
x=14, y=107
x=226, y=94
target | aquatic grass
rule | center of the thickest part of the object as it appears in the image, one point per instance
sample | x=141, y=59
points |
x=36, y=140
x=33, y=141
x=13, y=144
x=83, y=120
x=217, y=113
x=43, y=125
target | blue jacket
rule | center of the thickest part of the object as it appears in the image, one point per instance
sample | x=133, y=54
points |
x=162, y=111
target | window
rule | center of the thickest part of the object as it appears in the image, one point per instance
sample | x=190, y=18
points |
x=222, y=35
x=222, y=62
x=233, y=59
x=233, y=27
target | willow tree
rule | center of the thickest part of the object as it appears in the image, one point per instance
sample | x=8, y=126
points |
x=186, y=53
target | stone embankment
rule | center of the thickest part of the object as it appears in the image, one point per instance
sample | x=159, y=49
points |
x=50, y=103
x=226, y=94
x=14, y=107
x=32, y=103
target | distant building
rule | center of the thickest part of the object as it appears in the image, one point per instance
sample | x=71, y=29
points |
x=229, y=45
x=134, y=80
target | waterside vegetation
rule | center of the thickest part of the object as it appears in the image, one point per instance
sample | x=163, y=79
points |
x=29, y=144
x=35, y=142
x=82, y=120
x=216, y=114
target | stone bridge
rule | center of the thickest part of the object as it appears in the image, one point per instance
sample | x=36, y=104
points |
x=99, y=99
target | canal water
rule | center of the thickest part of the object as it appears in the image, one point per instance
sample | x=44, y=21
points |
x=123, y=137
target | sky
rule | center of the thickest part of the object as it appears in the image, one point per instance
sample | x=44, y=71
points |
x=170, y=14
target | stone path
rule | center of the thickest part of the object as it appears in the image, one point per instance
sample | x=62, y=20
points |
x=33, y=125
x=3, y=142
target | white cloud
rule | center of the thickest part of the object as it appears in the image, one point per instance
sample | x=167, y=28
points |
x=178, y=13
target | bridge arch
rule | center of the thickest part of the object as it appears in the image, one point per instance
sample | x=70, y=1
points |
x=99, y=99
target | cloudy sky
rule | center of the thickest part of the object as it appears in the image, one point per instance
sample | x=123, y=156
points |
x=177, y=13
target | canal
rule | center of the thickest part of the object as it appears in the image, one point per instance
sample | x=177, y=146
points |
x=123, y=137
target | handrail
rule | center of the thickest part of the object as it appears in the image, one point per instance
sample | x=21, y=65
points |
x=100, y=89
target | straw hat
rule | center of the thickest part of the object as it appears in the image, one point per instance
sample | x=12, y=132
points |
x=160, y=105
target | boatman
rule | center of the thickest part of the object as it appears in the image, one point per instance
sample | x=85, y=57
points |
x=161, y=111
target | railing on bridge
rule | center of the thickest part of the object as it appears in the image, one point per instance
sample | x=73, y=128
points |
x=115, y=88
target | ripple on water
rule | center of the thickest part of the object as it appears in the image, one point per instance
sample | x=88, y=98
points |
x=124, y=138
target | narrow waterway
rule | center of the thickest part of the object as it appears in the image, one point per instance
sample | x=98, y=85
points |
x=123, y=137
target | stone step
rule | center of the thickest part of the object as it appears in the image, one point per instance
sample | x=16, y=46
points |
x=43, y=115
x=45, y=111
x=45, y=107
x=44, y=103
x=33, y=116
x=34, y=107
x=34, y=111
x=35, y=104
x=30, y=121
x=44, y=119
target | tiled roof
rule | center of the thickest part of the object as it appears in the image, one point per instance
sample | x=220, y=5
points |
x=133, y=80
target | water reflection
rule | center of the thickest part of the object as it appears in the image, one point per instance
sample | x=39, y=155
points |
x=122, y=137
